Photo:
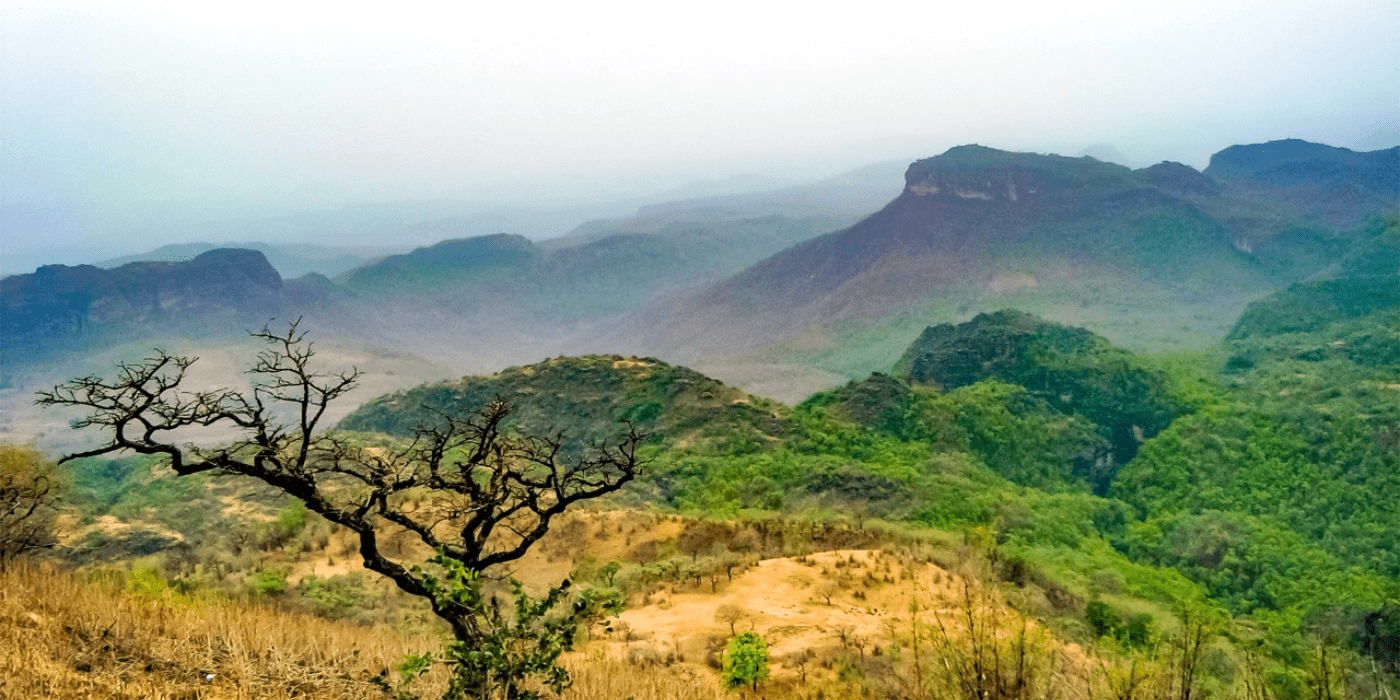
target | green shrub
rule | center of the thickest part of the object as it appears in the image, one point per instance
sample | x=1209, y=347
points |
x=745, y=661
x=270, y=582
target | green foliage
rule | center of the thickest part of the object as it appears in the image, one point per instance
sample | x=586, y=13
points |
x=1069, y=370
x=1139, y=630
x=292, y=519
x=140, y=487
x=270, y=582
x=99, y=483
x=745, y=661
x=608, y=572
x=514, y=650
x=337, y=596
x=29, y=490
x=1311, y=306
x=1103, y=619
x=146, y=582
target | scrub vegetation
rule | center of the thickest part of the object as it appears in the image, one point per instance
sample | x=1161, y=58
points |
x=1015, y=509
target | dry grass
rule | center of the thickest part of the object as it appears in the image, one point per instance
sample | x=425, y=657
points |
x=611, y=679
x=63, y=638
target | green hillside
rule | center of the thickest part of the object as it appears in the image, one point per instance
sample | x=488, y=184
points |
x=587, y=399
x=1263, y=492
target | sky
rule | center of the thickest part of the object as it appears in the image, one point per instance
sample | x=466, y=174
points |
x=122, y=121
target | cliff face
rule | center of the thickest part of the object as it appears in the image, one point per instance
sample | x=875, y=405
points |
x=961, y=212
x=58, y=300
x=1076, y=238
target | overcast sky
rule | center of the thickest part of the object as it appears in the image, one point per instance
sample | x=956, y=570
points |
x=117, y=113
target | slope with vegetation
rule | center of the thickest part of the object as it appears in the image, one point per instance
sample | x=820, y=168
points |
x=1269, y=489
x=1161, y=258
x=1015, y=508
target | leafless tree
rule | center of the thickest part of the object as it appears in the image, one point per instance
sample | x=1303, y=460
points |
x=802, y=662
x=731, y=614
x=464, y=486
x=844, y=633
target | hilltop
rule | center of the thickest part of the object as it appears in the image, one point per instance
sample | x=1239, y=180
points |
x=588, y=399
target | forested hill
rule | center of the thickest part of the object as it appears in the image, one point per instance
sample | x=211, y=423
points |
x=1366, y=281
x=1259, y=486
x=588, y=399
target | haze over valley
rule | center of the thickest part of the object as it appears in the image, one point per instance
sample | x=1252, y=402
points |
x=1002, y=351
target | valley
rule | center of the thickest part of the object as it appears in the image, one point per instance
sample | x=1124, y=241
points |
x=1135, y=430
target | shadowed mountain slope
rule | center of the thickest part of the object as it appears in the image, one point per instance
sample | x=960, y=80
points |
x=1336, y=186
x=58, y=304
x=1073, y=239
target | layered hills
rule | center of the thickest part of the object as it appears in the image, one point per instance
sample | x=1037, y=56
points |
x=1114, y=497
x=1139, y=255
x=754, y=287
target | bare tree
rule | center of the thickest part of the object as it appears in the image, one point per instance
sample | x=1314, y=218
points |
x=731, y=614
x=802, y=662
x=694, y=543
x=464, y=486
x=27, y=494
x=844, y=633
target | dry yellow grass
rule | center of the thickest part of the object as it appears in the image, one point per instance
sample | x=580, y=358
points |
x=838, y=623
x=63, y=638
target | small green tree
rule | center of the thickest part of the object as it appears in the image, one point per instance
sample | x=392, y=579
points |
x=608, y=572
x=746, y=661
x=512, y=649
x=1103, y=619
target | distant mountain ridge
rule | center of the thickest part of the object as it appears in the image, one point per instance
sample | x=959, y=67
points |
x=290, y=259
x=216, y=287
x=1164, y=256
x=1334, y=185
x=978, y=228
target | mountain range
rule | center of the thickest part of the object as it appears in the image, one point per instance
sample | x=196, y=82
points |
x=1118, y=496
x=1155, y=258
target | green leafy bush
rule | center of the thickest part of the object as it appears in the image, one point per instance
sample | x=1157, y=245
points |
x=745, y=661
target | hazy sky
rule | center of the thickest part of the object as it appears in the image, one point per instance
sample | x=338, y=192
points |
x=118, y=113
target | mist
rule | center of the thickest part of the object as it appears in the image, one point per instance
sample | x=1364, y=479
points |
x=128, y=125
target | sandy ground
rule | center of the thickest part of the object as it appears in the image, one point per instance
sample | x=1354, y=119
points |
x=783, y=601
